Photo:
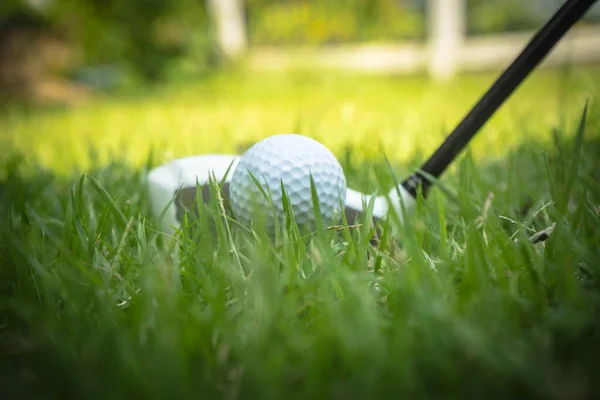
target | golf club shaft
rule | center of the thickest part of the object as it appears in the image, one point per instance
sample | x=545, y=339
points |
x=535, y=51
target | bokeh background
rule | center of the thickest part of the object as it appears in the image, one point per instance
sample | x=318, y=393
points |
x=133, y=78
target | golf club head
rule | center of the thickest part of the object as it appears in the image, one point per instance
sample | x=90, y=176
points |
x=172, y=188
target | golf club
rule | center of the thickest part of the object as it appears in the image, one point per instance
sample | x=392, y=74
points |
x=536, y=50
x=172, y=186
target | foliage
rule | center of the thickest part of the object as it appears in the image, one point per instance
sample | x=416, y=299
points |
x=130, y=42
x=142, y=37
x=310, y=22
x=500, y=16
x=322, y=22
x=491, y=16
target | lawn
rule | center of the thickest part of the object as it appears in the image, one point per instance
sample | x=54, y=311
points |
x=406, y=116
x=458, y=303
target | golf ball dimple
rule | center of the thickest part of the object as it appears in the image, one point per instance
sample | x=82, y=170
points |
x=289, y=159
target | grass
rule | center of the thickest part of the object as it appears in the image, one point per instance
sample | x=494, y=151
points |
x=98, y=303
x=406, y=116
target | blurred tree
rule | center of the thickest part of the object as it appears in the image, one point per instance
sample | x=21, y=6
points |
x=318, y=22
x=30, y=49
x=333, y=21
x=489, y=16
x=151, y=40
x=143, y=37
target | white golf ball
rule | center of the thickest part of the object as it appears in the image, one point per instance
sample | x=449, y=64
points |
x=291, y=159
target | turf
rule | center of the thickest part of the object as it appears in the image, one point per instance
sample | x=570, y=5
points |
x=405, y=116
x=458, y=303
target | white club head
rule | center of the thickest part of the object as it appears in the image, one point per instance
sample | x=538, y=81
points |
x=167, y=180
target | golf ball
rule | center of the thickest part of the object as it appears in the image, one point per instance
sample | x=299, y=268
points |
x=289, y=159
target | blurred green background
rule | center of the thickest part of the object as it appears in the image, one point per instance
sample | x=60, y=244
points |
x=133, y=42
x=128, y=77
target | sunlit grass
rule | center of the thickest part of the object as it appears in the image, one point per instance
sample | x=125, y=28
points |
x=403, y=116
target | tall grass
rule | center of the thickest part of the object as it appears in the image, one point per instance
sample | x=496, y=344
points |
x=97, y=302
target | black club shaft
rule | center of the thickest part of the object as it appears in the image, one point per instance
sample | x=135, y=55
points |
x=535, y=51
